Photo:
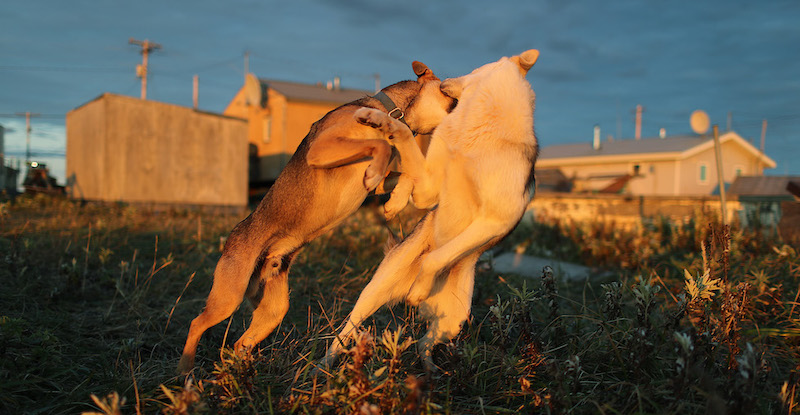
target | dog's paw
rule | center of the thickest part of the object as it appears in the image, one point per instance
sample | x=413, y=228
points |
x=392, y=207
x=371, y=118
x=372, y=178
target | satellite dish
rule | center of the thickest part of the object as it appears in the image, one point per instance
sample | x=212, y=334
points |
x=700, y=122
x=252, y=90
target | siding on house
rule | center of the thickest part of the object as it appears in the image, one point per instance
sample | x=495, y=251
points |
x=279, y=124
x=661, y=167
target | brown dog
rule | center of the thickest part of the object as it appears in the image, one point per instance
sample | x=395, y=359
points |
x=327, y=179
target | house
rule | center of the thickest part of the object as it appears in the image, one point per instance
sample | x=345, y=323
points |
x=279, y=116
x=670, y=166
x=124, y=149
x=769, y=202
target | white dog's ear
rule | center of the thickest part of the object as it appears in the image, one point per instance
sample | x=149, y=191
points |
x=525, y=60
x=423, y=72
x=452, y=87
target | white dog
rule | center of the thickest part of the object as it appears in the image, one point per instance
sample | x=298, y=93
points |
x=475, y=180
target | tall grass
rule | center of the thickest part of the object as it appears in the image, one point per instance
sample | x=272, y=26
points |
x=690, y=318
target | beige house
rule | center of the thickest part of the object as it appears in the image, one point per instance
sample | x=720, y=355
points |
x=279, y=116
x=670, y=166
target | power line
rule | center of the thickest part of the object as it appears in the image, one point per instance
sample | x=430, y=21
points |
x=15, y=115
x=59, y=69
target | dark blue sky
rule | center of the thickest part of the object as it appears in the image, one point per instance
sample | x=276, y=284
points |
x=598, y=59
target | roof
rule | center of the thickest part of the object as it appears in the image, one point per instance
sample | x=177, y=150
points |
x=618, y=147
x=306, y=92
x=669, y=148
x=762, y=185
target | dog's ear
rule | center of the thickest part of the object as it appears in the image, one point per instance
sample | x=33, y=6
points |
x=423, y=72
x=452, y=87
x=525, y=60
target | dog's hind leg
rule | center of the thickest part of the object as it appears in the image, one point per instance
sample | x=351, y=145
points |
x=329, y=152
x=448, y=308
x=227, y=291
x=271, y=301
x=391, y=282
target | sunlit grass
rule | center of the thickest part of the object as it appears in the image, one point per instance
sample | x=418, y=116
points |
x=96, y=302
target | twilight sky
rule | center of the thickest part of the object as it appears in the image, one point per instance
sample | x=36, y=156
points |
x=598, y=59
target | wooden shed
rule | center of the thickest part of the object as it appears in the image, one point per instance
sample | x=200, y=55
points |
x=126, y=149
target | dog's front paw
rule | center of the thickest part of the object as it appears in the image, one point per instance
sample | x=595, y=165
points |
x=371, y=118
x=393, y=206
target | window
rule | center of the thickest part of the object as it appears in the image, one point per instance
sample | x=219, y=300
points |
x=266, y=125
x=739, y=170
x=703, y=173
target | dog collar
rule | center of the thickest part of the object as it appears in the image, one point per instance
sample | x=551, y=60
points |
x=393, y=110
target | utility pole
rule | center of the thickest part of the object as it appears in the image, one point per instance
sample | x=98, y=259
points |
x=377, y=77
x=28, y=116
x=720, y=178
x=141, y=70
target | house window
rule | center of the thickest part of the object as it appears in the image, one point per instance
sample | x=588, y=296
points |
x=703, y=173
x=636, y=169
x=738, y=171
x=266, y=125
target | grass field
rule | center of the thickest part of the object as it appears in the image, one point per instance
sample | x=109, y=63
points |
x=96, y=301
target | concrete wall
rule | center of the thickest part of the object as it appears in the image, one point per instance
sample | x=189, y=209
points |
x=125, y=149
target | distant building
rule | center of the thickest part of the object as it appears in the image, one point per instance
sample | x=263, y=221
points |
x=769, y=201
x=131, y=150
x=279, y=116
x=670, y=166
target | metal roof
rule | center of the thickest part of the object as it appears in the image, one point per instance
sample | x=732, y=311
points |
x=319, y=93
x=674, y=144
x=762, y=185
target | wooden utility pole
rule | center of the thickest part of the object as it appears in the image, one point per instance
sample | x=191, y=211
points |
x=141, y=70
x=720, y=178
x=28, y=116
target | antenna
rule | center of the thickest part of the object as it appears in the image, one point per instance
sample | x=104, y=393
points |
x=638, y=131
x=700, y=122
x=28, y=116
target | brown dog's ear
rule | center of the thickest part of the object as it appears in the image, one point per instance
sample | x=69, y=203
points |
x=423, y=72
x=525, y=60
